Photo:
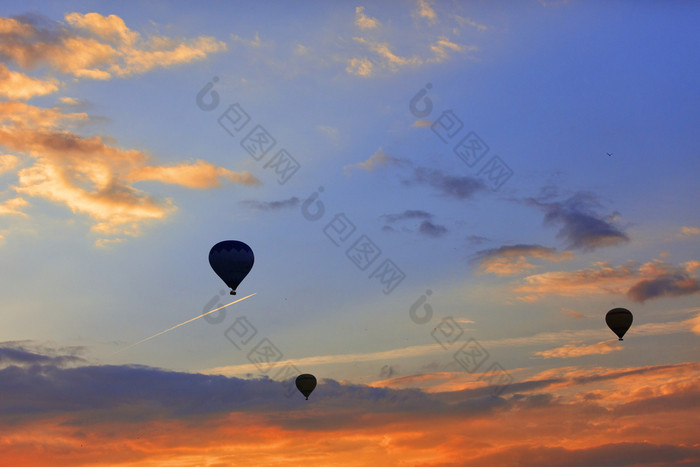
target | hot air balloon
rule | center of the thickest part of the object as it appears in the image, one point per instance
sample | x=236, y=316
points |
x=306, y=384
x=231, y=260
x=619, y=321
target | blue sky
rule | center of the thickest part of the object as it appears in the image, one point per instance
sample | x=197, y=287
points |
x=107, y=245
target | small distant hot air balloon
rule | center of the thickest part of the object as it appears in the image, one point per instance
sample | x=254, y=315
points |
x=306, y=384
x=619, y=321
x=231, y=260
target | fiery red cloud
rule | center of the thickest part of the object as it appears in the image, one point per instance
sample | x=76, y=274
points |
x=54, y=412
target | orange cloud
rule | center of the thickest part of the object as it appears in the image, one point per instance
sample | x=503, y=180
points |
x=18, y=115
x=89, y=46
x=363, y=21
x=695, y=324
x=109, y=416
x=92, y=176
x=376, y=160
x=574, y=350
x=654, y=279
x=687, y=231
x=8, y=162
x=15, y=85
x=509, y=260
x=426, y=11
x=13, y=206
x=198, y=175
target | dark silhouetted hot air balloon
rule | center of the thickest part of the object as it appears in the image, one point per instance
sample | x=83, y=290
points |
x=231, y=260
x=306, y=384
x=619, y=321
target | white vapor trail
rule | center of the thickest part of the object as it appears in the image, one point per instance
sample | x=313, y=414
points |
x=181, y=324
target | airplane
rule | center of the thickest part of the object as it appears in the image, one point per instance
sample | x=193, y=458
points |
x=608, y=154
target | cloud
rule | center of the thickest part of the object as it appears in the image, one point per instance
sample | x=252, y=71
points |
x=13, y=206
x=93, y=46
x=21, y=116
x=375, y=161
x=201, y=175
x=426, y=227
x=23, y=356
x=432, y=230
x=408, y=214
x=15, y=85
x=91, y=175
x=476, y=239
x=574, y=350
x=573, y=313
x=668, y=281
x=360, y=67
x=422, y=123
x=254, y=43
x=363, y=21
x=329, y=131
x=509, y=260
x=695, y=324
x=55, y=411
x=470, y=22
x=612, y=454
x=599, y=279
x=582, y=227
x=456, y=187
x=441, y=47
x=426, y=11
x=8, y=162
x=384, y=58
x=687, y=231
x=271, y=205
x=640, y=282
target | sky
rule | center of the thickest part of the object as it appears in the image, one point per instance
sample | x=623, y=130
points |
x=444, y=199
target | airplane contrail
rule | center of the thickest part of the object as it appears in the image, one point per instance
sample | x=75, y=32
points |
x=181, y=324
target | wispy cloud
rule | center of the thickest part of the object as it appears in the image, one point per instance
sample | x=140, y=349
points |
x=574, y=350
x=460, y=188
x=687, y=231
x=509, y=260
x=383, y=57
x=426, y=11
x=200, y=174
x=8, y=162
x=426, y=227
x=375, y=161
x=665, y=280
x=143, y=415
x=582, y=227
x=13, y=206
x=639, y=282
x=363, y=21
x=91, y=175
x=442, y=47
x=432, y=230
x=272, y=205
x=16, y=85
x=93, y=46
x=408, y=214
x=470, y=22
x=572, y=313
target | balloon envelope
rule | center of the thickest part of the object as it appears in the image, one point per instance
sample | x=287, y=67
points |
x=306, y=384
x=231, y=260
x=619, y=321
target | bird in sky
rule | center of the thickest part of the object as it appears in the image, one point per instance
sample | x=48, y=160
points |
x=609, y=154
